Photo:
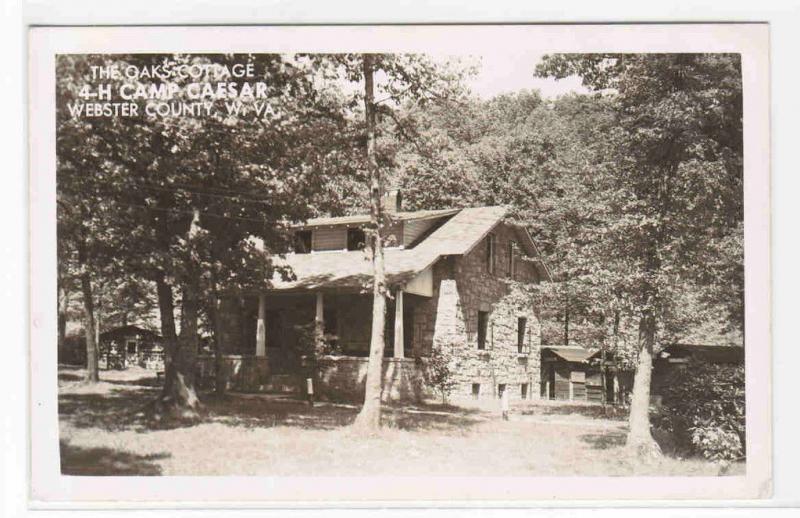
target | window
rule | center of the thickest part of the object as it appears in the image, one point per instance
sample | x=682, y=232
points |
x=500, y=389
x=523, y=391
x=302, y=242
x=490, y=253
x=483, y=325
x=356, y=239
x=476, y=390
x=130, y=346
x=522, y=325
x=511, y=264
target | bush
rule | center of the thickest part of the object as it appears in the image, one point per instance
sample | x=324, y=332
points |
x=439, y=369
x=704, y=409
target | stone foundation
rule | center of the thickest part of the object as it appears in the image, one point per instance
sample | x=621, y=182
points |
x=242, y=373
x=338, y=378
x=344, y=378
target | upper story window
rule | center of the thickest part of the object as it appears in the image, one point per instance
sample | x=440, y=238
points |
x=512, y=264
x=491, y=243
x=302, y=242
x=483, y=327
x=522, y=326
x=356, y=239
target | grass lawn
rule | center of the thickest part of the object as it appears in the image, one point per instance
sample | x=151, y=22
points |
x=102, y=434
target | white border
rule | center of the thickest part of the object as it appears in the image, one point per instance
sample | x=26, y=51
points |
x=48, y=486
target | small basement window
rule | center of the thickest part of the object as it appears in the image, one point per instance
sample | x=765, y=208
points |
x=476, y=390
x=483, y=325
x=302, y=242
x=522, y=325
x=356, y=239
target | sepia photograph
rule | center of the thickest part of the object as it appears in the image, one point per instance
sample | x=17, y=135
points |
x=509, y=263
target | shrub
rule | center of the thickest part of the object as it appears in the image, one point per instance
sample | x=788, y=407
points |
x=704, y=409
x=439, y=369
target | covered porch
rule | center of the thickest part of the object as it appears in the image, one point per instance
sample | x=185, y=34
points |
x=274, y=341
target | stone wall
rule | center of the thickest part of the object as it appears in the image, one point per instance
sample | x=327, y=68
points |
x=243, y=373
x=344, y=378
x=471, y=289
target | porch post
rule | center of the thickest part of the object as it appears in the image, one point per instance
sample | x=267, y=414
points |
x=261, y=328
x=398, y=324
x=319, y=321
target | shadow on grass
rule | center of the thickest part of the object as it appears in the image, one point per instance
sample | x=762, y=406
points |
x=256, y=411
x=106, y=462
x=593, y=411
x=69, y=376
x=238, y=410
x=606, y=440
x=123, y=408
x=117, y=410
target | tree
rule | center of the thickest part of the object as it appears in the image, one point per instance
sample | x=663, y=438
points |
x=370, y=414
x=440, y=367
x=199, y=204
x=676, y=187
x=407, y=78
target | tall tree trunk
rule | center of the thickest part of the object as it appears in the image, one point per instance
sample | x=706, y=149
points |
x=166, y=311
x=640, y=440
x=369, y=418
x=566, y=311
x=63, y=306
x=92, y=367
x=216, y=307
x=178, y=397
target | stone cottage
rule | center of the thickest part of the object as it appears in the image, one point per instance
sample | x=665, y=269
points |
x=448, y=272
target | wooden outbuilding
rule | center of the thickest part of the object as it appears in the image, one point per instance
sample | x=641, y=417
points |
x=574, y=373
x=130, y=345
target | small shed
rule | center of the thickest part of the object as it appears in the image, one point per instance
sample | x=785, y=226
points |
x=572, y=373
x=130, y=345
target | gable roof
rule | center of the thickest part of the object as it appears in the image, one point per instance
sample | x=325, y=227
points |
x=464, y=229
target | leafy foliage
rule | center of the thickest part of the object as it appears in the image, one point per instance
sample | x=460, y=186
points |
x=440, y=367
x=704, y=408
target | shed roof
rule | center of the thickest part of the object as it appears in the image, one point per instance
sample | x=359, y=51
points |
x=709, y=353
x=128, y=330
x=462, y=231
x=570, y=353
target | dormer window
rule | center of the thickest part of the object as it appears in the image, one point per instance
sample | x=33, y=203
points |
x=302, y=242
x=356, y=239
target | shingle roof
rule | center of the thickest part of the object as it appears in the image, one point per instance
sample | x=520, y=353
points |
x=364, y=218
x=348, y=270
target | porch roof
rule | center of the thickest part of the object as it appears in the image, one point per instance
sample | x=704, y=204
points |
x=352, y=269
